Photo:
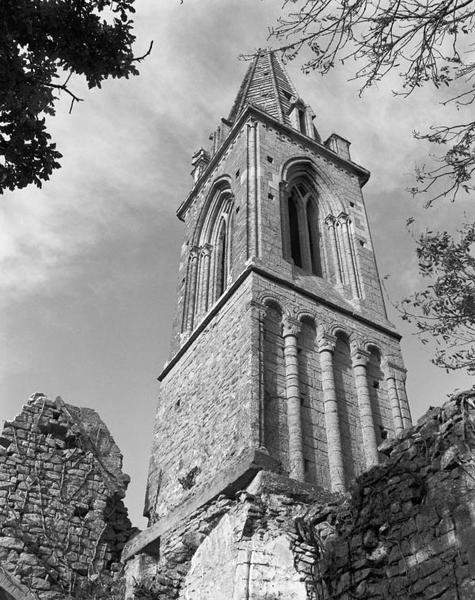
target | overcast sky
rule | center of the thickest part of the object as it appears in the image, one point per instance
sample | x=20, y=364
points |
x=89, y=263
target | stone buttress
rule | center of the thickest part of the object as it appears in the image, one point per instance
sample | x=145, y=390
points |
x=282, y=357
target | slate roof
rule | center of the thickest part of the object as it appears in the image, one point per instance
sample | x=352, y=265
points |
x=267, y=86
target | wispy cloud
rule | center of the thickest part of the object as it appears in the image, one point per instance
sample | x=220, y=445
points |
x=89, y=262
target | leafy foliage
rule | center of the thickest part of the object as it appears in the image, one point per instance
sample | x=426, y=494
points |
x=421, y=41
x=445, y=309
x=41, y=43
x=101, y=587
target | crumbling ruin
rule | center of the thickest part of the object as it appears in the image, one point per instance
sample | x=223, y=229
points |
x=405, y=530
x=63, y=522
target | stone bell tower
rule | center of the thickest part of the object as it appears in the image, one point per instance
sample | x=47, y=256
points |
x=282, y=356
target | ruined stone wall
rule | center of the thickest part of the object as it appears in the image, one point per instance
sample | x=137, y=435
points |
x=62, y=519
x=408, y=528
x=232, y=546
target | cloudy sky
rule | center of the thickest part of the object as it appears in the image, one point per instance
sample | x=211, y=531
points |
x=89, y=262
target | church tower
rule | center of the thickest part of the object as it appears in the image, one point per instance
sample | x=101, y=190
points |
x=282, y=356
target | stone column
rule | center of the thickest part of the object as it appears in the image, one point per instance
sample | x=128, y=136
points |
x=330, y=222
x=403, y=402
x=191, y=292
x=326, y=346
x=393, y=395
x=360, y=360
x=343, y=219
x=290, y=330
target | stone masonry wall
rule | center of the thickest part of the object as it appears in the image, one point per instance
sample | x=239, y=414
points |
x=408, y=528
x=231, y=164
x=204, y=414
x=337, y=187
x=63, y=524
x=317, y=319
x=230, y=547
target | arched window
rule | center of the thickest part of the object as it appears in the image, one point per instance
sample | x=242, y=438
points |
x=221, y=263
x=314, y=236
x=295, y=250
x=303, y=243
x=209, y=264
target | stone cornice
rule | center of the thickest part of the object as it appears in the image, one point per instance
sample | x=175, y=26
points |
x=290, y=326
x=289, y=285
x=362, y=173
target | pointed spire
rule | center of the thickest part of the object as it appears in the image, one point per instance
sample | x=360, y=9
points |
x=267, y=86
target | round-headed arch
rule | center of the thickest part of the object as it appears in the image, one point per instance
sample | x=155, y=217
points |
x=307, y=317
x=373, y=348
x=339, y=331
x=270, y=301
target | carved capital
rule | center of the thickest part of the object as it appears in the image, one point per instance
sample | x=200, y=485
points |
x=195, y=252
x=359, y=357
x=326, y=342
x=392, y=369
x=330, y=221
x=290, y=326
x=343, y=218
x=206, y=250
x=284, y=187
x=387, y=369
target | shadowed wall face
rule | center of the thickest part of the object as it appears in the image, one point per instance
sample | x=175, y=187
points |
x=275, y=410
x=313, y=420
x=348, y=409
